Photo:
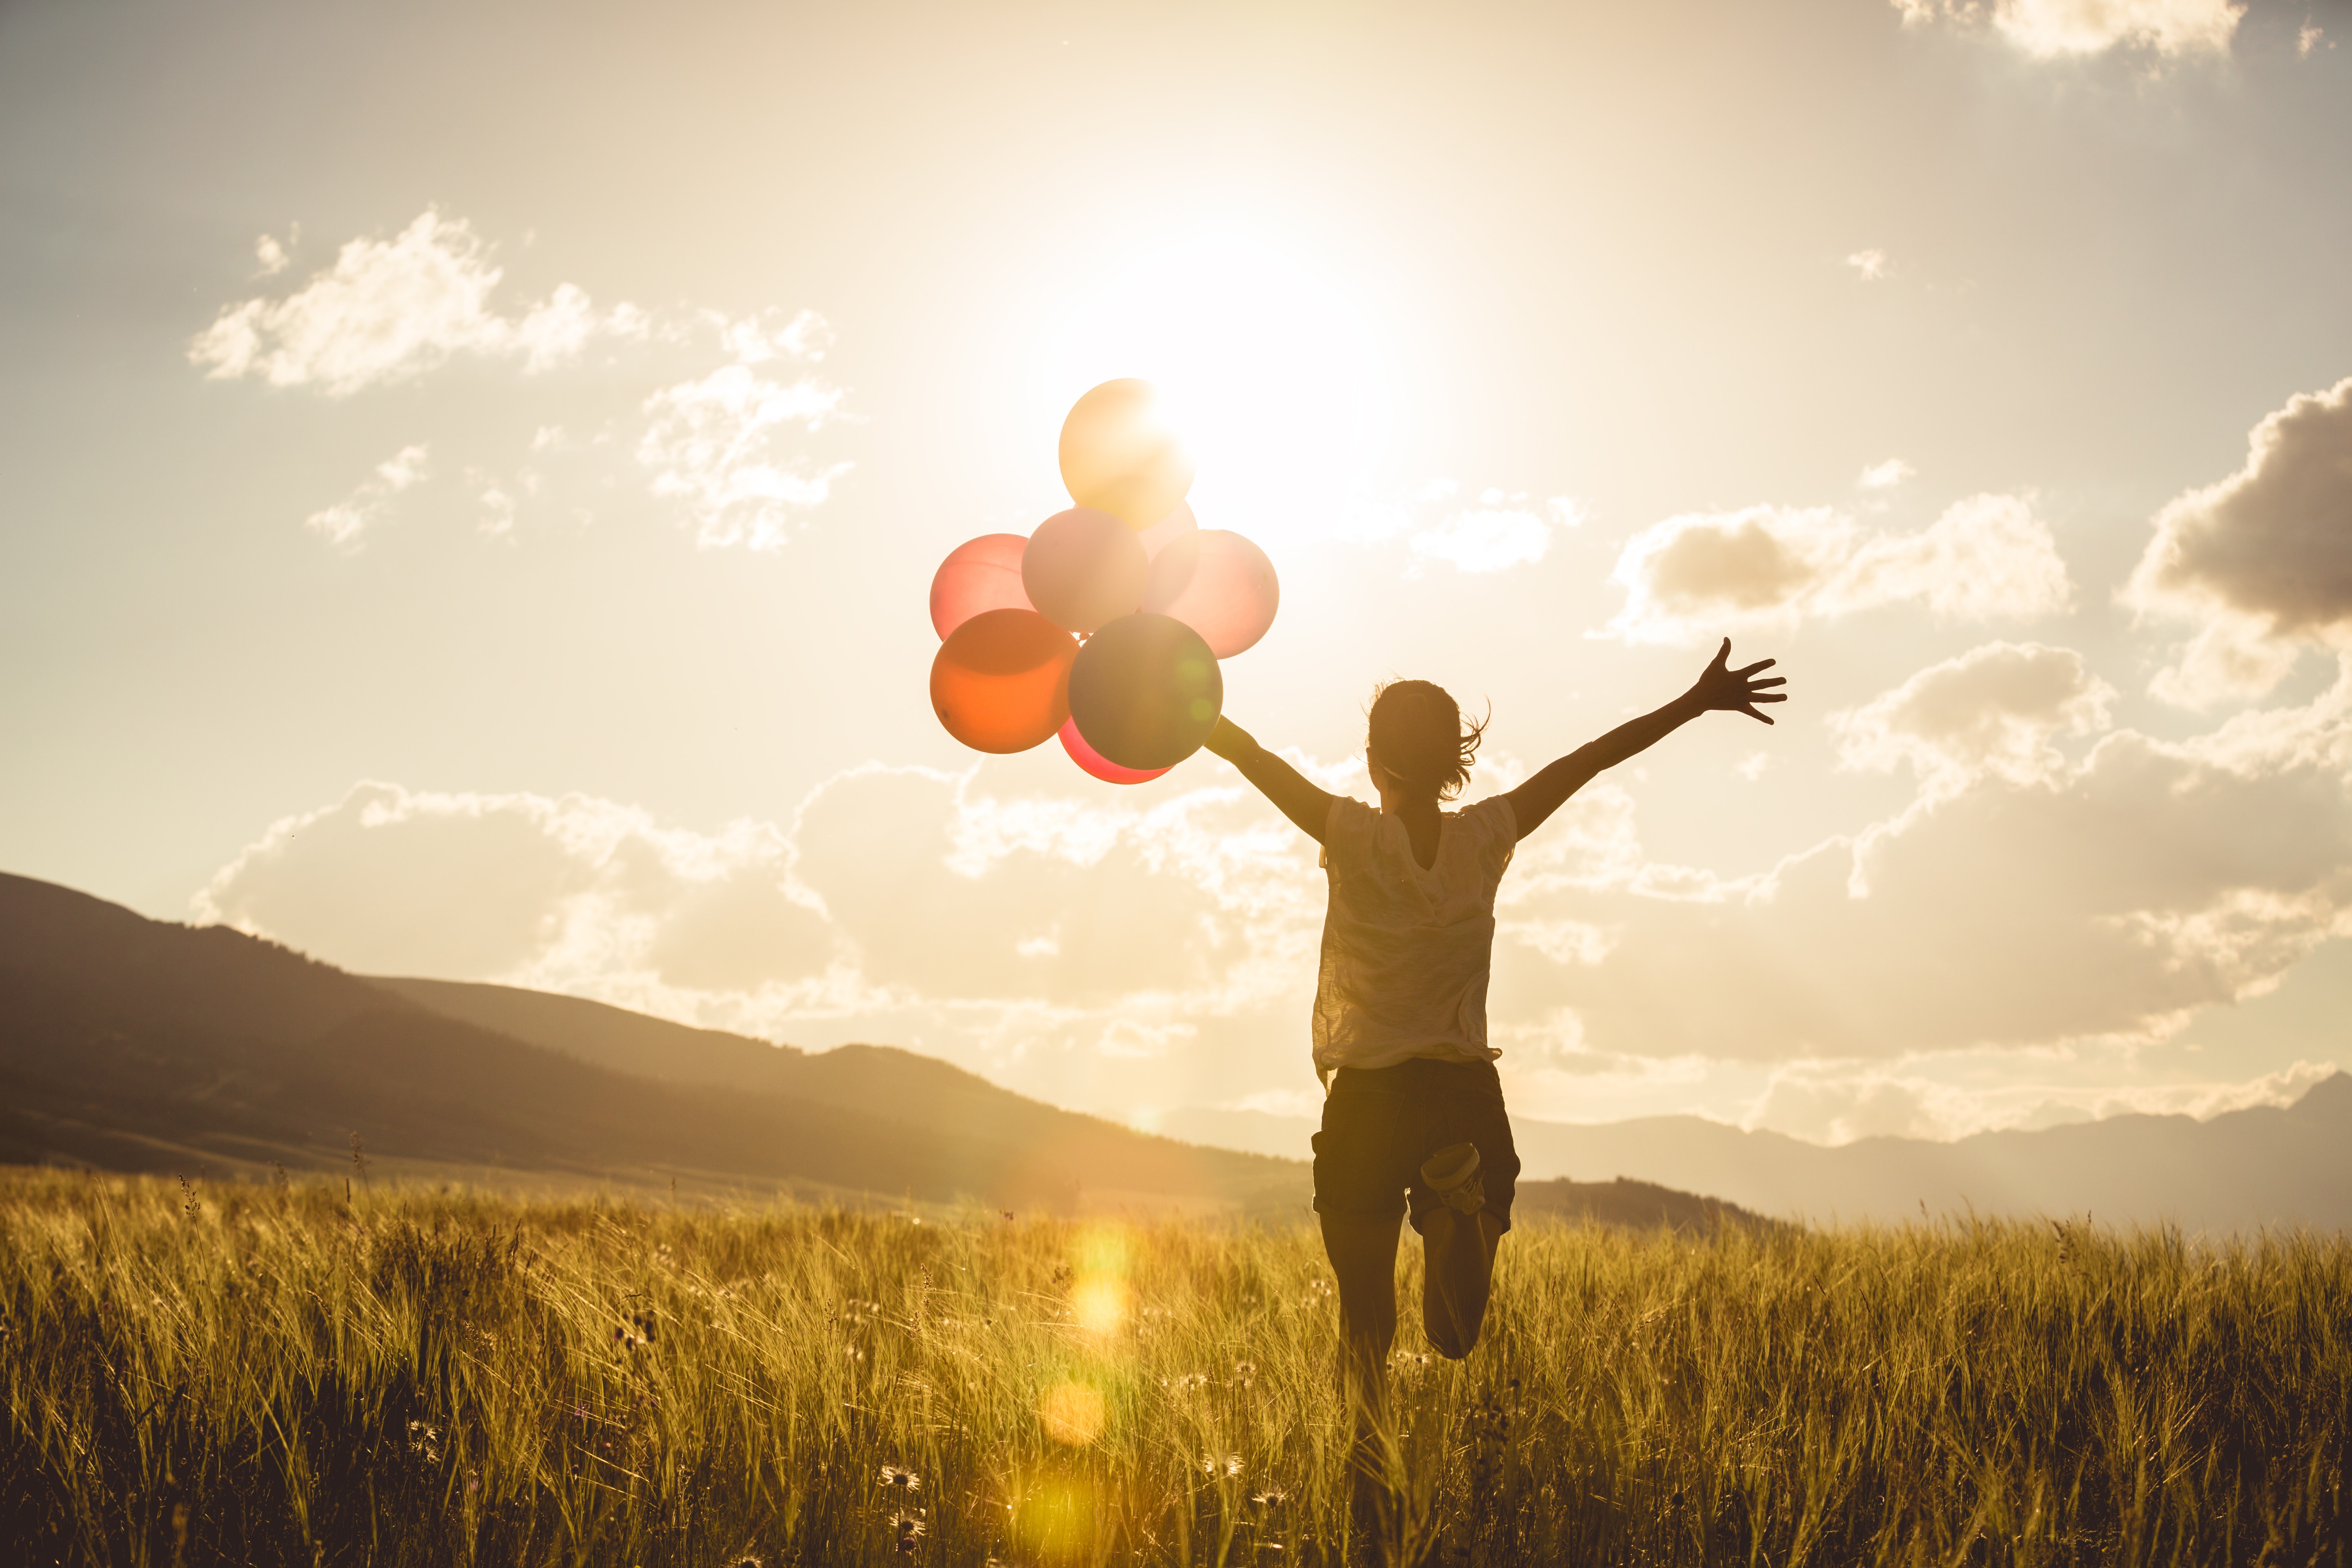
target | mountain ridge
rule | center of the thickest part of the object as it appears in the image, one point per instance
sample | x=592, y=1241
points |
x=147, y=1045
x=2263, y=1165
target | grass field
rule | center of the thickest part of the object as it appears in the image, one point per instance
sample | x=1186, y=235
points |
x=251, y=1374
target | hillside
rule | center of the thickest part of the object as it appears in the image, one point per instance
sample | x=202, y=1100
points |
x=2239, y=1170
x=138, y=1044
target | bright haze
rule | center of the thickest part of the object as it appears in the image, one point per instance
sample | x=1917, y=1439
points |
x=473, y=476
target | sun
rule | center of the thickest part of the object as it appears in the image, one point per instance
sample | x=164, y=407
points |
x=1274, y=364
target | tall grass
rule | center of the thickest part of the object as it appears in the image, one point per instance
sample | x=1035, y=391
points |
x=263, y=1375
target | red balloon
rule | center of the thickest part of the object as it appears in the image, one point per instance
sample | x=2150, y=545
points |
x=1102, y=767
x=1083, y=568
x=1002, y=681
x=1168, y=528
x=981, y=574
x=1218, y=583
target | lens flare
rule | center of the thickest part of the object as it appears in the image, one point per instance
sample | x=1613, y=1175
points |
x=1073, y=1414
x=1100, y=1303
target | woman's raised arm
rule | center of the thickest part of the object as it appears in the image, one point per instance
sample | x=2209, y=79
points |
x=1306, y=805
x=1717, y=687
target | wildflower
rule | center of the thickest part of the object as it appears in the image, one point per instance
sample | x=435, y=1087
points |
x=749, y=1559
x=1272, y=1497
x=1210, y=1466
x=902, y=1480
x=1244, y=1374
x=910, y=1530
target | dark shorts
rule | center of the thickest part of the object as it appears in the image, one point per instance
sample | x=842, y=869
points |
x=1380, y=1124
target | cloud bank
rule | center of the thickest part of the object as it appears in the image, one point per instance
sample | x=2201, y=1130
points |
x=2261, y=562
x=1694, y=578
x=2057, y=29
x=2055, y=886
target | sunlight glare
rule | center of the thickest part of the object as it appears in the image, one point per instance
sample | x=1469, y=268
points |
x=1271, y=362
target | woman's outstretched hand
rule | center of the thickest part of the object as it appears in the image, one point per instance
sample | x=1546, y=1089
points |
x=1736, y=691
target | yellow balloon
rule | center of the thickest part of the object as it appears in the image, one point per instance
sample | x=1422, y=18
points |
x=1119, y=456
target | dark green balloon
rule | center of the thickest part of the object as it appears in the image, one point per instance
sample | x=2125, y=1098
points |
x=1145, y=691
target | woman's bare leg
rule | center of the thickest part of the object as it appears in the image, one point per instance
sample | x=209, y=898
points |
x=1457, y=1254
x=1364, y=1262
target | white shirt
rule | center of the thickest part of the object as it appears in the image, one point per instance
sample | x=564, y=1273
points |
x=1406, y=949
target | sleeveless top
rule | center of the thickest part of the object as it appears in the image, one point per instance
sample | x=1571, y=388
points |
x=1406, y=949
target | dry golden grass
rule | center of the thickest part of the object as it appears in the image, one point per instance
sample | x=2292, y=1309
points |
x=245, y=1375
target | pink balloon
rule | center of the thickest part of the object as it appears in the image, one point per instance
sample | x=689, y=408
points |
x=1169, y=530
x=1218, y=583
x=1083, y=568
x=979, y=574
x=1095, y=762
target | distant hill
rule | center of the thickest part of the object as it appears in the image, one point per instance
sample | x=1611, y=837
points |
x=1632, y=1205
x=904, y=1085
x=2237, y=1171
x=133, y=1043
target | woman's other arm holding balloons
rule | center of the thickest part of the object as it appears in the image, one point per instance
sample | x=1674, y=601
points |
x=1717, y=687
x=1306, y=805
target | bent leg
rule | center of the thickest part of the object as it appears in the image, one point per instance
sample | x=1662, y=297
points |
x=1457, y=1274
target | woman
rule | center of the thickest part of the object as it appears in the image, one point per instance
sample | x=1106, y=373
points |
x=1413, y=1113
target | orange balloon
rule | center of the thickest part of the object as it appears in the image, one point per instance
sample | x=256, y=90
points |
x=981, y=574
x=1002, y=681
x=1119, y=455
x=1102, y=767
x=1218, y=583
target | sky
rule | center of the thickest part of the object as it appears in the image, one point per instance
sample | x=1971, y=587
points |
x=470, y=479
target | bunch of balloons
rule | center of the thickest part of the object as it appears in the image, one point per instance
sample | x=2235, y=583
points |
x=1105, y=625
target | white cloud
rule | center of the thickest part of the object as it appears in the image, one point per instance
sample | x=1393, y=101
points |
x=2051, y=29
x=1698, y=575
x=2310, y=39
x=390, y=309
x=1158, y=948
x=271, y=255
x=342, y=523
x=1885, y=476
x=712, y=440
x=1484, y=539
x=2020, y=902
x=527, y=889
x=710, y=443
x=1993, y=710
x=2261, y=559
x=1063, y=935
x=1501, y=530
x=1869, y=266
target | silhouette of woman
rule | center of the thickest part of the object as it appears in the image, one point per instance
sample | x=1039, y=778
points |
x=1413, y=1112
